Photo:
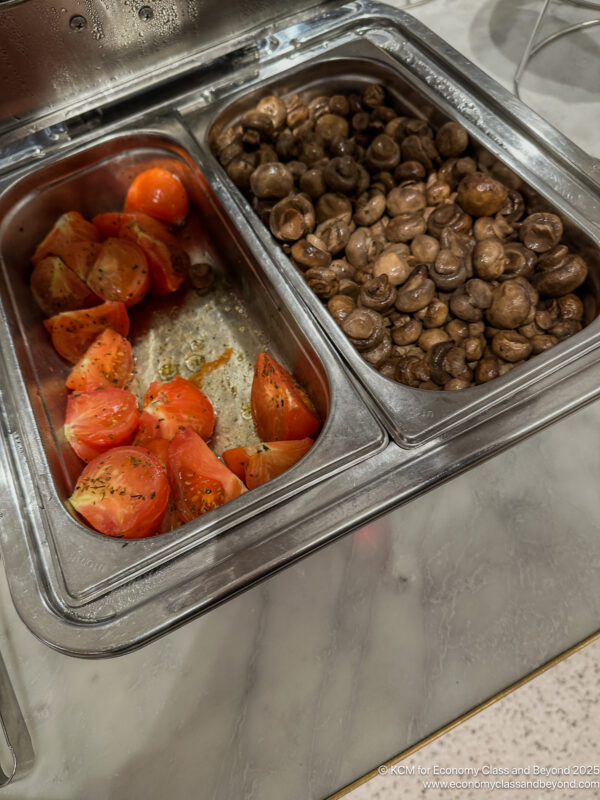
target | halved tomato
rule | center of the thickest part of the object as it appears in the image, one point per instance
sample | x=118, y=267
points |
x=160, y=194
x=68, y=229
x=169, y=407
x=263, y=462
x=199, y=481
x=108, y=361
x=73, y=332
x=281, y=409
x=120, y=272
x=55, y=287
x=123, y=493
x=100, y=419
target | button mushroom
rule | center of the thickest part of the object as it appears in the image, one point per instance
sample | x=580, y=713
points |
x=382, y=154
x=404, y=227
x=406, y=330
x=451, y=140
x=364, y=328
x=271, y=180
x=448, y=215
x=488, y=259
x=541, y=232
x=559, y=272
x=292, y=218
x=511, y=346
x=480, y=195
x=449, y=271
x=518, y=261
x=322, y=281
x=378, y=294
x=411, y=197
x=340, y=306
x=417, y=292
x=511, y=304
x=307, y=255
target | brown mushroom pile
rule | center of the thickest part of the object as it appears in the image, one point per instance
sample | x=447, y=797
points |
x=418, y=242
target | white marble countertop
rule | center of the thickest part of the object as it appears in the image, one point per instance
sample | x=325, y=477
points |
x=306, y=682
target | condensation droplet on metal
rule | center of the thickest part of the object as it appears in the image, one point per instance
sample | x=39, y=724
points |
x=145, y=13
x=77, y=22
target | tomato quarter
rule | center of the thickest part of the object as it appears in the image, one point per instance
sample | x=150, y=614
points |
x=55, y=287
x=68, y=229
x=281, y=409
x=120, y=273
x=123, y=493
x=265, y=461
x=199, y=481
x=169, y=407
x=108, y=361
x=160, y=194
x=73, y=332
x=168, y=262
x=100, y=419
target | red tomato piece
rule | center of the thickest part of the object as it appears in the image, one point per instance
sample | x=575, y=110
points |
x=108, y=361
x=171, y=518
x=55, y=287
x=69, y=228
x=266, y=460
x=120, y=272
x=112, y=223
x=169, y=407
x=168, y=262
x=100, y=419
x=160, y=194
x=73, y=332
x=123, y=493
x=159, y=449
x=281, y=409
x=199, y=481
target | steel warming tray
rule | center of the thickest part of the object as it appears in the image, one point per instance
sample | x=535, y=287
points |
x=88, y=595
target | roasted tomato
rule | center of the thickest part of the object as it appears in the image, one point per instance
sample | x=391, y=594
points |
x=159, y=448
x=55, y=287
x=169, y=407
x=123, y=493
x=120, y=272
x=108, y=361
x=167, y=261
x=73, y=332
x=263, y=462
x=199, y=481
x=281, y=409
x=160, y=194
x=68, y=229
x=99, y=419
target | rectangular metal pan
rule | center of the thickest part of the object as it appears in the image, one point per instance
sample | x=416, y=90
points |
x=89, y=596
x=250, y=309
x=415, y=416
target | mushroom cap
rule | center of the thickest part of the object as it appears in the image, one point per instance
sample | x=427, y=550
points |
x=541, y=232
x=272, y=179
x=481, y=195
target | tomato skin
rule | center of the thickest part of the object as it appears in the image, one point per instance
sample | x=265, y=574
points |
x=112, y=223
x=199, y=481
x=55, y=287
x=120, y=273
x=281, y=409
x=123, y=493
x=73, y=332
x=108, y=361
x=160, y=194
x=68, y=228
x=169, y=407
x=266, y=460
x=100, y=419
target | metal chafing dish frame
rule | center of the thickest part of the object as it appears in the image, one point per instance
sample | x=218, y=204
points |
x=134, y=613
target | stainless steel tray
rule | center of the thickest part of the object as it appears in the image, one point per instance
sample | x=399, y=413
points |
x=414, y=416
x=90, y=596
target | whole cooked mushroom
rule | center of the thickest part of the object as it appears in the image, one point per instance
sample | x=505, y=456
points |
x=559, y=272
x=333, y=205
x=378, y=294
x=369, y=207
x=451, y=140
x=292, y=218
x=448, y=215
x=511, y=346
x=341, y=174
x=322, y=281
x=518, y=261
x=275, y=108
x=410, y=197
x=382, y=154
x=449, y=271
x=339, y=306
x=511, y=304
x=417, y=292
x=404, y=227
x=541, y=232
x=308, y=256
x=481, y=195
x=488, y=259
x=271, y=180
x=364, y=328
